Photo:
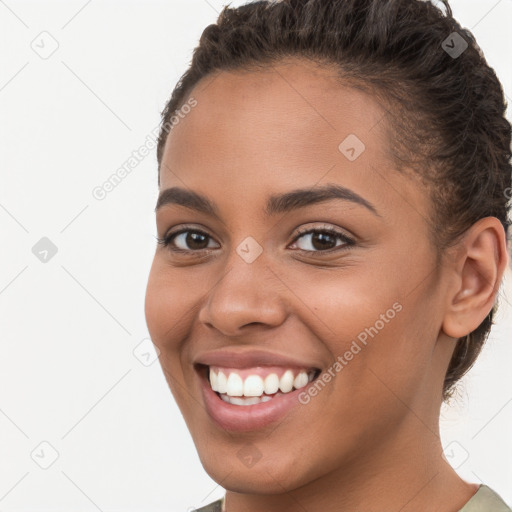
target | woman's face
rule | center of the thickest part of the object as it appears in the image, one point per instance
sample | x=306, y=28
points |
x=256, y=293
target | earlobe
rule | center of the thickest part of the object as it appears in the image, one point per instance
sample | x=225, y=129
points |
x=479, y=269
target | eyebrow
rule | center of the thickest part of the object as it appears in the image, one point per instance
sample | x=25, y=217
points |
x=282, y=203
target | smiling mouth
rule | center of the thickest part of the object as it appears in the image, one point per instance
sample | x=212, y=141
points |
x=251, y=386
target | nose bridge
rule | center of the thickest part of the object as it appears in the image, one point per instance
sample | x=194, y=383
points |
x=245, y=293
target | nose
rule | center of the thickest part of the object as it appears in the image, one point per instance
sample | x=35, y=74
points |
x=247, y=294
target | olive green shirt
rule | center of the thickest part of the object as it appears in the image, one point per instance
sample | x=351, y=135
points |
x=484, y=500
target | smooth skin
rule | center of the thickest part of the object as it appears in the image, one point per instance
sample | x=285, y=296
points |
x=370, y=438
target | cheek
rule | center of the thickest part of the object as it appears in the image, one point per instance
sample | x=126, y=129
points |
x=167, y=315
x=372, y=326
x=168, y=305
x=348, y=306
x=156, y=305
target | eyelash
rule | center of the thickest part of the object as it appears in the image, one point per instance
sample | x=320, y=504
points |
x=348, y=242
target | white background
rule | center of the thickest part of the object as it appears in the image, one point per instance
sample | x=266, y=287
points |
x=68, y=375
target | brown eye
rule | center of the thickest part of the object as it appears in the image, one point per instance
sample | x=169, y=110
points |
x=321, y=240
x=192, y=240
x=187, y=240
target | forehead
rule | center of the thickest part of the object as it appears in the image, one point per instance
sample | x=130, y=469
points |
x=308, y=101
x=280, y=127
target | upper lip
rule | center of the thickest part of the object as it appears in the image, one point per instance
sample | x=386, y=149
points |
x=248, y=358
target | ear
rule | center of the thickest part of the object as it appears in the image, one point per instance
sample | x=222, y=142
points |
x=477, y=269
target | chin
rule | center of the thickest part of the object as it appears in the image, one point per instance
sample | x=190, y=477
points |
x=253, y=481
x=265, y=476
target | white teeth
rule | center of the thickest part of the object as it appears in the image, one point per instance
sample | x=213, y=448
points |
x=301, y=380
x=213, y=380
x=235, y=400
x=253, y=400
x=222, y=383
x=253, y=386
x=235, y=385
x=286, y=381
x=271, y=384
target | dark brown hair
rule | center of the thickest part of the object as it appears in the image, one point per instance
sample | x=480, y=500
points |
x=446, y=112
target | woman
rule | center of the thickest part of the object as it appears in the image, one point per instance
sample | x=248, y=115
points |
x=332, y=225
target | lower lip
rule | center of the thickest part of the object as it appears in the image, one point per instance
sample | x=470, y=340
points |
x=243, y=418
